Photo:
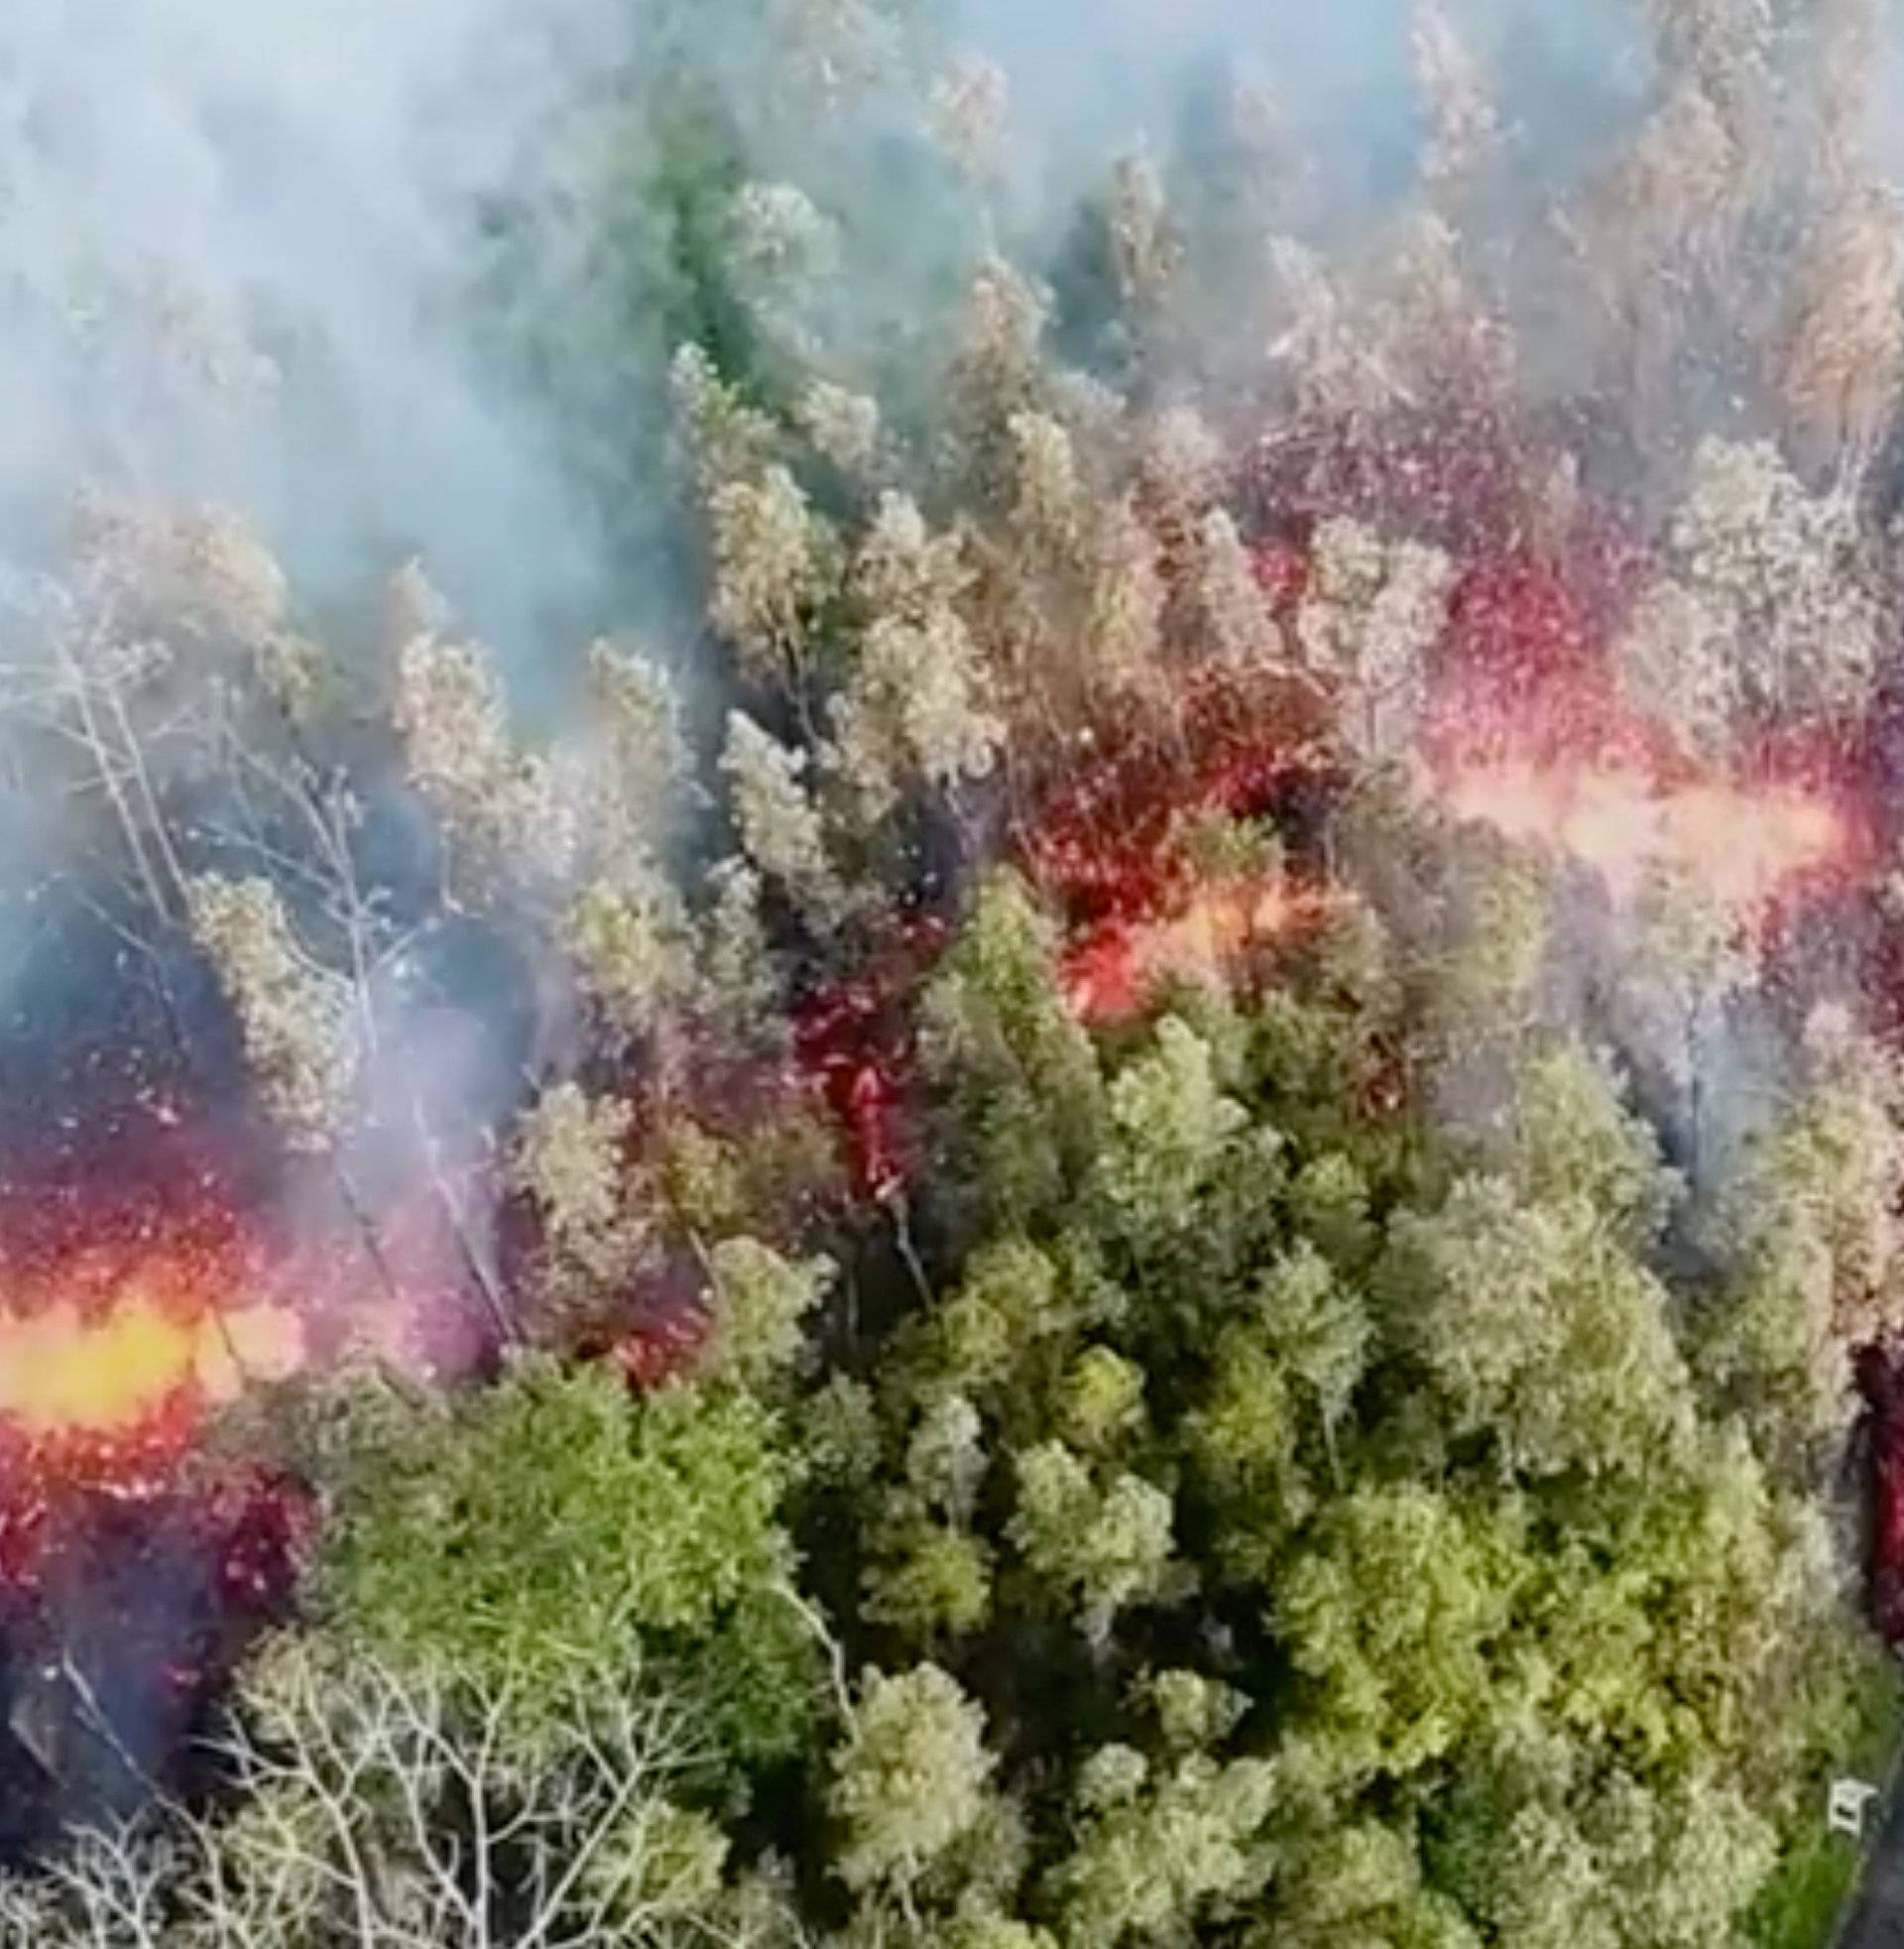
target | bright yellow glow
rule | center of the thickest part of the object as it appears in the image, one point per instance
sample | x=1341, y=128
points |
x=61, y=1370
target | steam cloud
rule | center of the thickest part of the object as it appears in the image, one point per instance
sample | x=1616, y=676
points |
x=236, y=239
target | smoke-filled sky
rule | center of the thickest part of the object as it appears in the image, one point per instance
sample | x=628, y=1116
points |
x=231, y=237
x=1091, y=76
x=234, y=234
x=237, y=236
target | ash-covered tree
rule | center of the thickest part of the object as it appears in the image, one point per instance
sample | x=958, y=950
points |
x=386, y=1808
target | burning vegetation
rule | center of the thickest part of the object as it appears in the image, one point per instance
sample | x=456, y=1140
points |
x=1144, y=1191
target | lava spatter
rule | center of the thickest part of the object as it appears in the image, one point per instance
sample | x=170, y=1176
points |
x=1741, y=844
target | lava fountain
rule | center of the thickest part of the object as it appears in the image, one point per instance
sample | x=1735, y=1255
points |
x=143, y=1289
x=86, y=1369
x=1741, y=844
x=125, y=1319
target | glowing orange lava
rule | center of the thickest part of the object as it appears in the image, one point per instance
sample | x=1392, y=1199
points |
x=141, y=1290
x=1111, y=974
x=1741, y=844
x=60, y=1371
x=108, y=1347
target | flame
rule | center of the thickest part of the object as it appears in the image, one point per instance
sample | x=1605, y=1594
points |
x=59, y=1371
x=142, y=1288
x=1743, y=844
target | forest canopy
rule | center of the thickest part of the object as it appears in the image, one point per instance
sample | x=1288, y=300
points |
x=1122, y=1191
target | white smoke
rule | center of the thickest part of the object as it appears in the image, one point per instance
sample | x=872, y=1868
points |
x=233, y=244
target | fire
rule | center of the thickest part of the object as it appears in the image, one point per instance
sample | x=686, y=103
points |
x=120, y=1329
x=1114, y=843
x=1743, y=845
x=1531, y=730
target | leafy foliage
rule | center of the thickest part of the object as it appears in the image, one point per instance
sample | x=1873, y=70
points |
x=548, y=1536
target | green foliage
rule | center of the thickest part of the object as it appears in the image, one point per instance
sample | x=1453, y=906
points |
x=1363, y=1879
x=839, y=1434
x=1019, y=1080
x=929, y=1582
x=1392, y=1611
x=1151, y=1856
x=1194, y=1712
x=1771, y=1350
x=1169, y=1125
x=1329, y=1199
x=760, y=1307
x=1102, y=1401
x=1009, y=1304
x=1537, y=1324
x=1243, y=1438
x=550, y=1533
x=1800, y=1904
x=1316, y=1330
x=909, y=1780
x=1102, y=1546
x=1853, y=1727
x=1575, y=1137
x=1342, y=1526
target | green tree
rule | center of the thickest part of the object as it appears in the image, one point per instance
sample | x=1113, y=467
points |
x=930, y=1581
x=1244, y=1438
x=1317, y=1331
x=909, y=1780
x=1573, y=1134
x=551, y=1534
x=1170, y=1126
x=1020, y=1091
x=1538, y=1326
x=1678, y=1863
x=1103, y=1546
x=1392, y=1610
x=1360, y=1882
x=1150, y=1858
x=761, y=1304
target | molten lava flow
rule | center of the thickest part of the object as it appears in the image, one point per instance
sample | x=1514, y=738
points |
x=1117, y=969
x=120, y=1328
x=1529, y=730
x=63, y=1372
x=1741, y=844
x=1113, y=844
x=1108, y=839
x=852, y=1045
x=1880, y=1380
x=107, y=1332
x=125, y=1317
x=141, y=1288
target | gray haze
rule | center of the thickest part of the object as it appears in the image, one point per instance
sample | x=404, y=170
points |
x=237, y=236
x=231, y=239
